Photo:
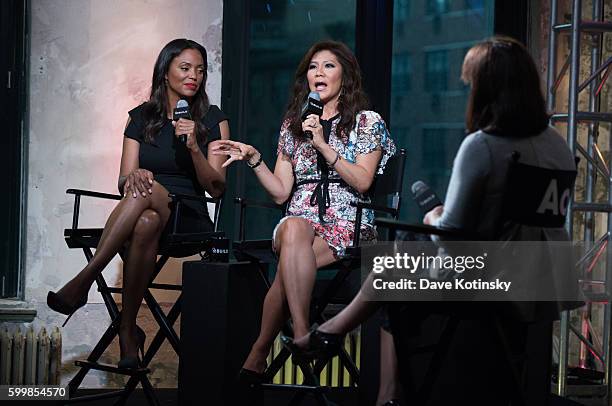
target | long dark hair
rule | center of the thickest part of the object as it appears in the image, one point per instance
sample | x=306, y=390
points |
x=506, y=97
x=352, y=97
x=155, y=110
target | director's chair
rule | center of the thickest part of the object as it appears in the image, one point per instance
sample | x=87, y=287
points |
x=174, y=244
x=385, y=194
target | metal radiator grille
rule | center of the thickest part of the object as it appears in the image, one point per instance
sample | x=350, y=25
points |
x=30, y=359
x=333, y=375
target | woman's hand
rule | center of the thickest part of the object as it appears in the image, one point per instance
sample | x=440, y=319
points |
x=186, y=127
x=138, y=181
x=433, y=215
x=237, y=151
x=313, y=125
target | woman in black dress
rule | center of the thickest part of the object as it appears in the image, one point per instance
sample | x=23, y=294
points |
x=155, y=162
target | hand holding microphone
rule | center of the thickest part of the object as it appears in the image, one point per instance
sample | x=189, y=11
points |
x=429, y=203
x=184, y=125
x=314, y=106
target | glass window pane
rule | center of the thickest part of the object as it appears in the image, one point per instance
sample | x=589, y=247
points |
x=436, y=70
x=474, y=4
x=436, y=6
x=280, y=34
x=427, y=96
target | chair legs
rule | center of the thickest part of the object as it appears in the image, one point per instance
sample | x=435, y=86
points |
x=158, y=340
x=165, y=331
x=105, y=341
x=311, y=382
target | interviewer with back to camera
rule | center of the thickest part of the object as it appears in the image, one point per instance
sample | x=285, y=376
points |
x=154, y=162
x=506, y=112
x=350, y=144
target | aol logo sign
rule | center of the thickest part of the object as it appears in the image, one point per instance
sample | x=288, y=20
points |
x=554, y=203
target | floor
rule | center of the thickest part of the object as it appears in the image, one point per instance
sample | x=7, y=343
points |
x=168, y=397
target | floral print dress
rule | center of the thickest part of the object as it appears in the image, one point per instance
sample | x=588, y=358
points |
x=334, y=222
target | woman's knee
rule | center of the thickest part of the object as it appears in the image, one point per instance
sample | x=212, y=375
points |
x=158, y=194
x=160, y=199
x=147, y=226
x=294, y=230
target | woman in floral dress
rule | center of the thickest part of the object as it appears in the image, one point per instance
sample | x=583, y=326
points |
x=331, y=169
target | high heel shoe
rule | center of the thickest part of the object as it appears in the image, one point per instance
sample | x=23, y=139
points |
x=137, y=361
x=56, y=303
x=320, y=345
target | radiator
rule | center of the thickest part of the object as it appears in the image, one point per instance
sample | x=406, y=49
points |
x=30, y=359
x=334, y=374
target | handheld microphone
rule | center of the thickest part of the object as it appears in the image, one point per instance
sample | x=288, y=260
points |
x=181, y=111
x=424, y=197
x=313, y=105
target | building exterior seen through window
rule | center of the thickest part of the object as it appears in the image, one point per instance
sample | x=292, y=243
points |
x=430, y=39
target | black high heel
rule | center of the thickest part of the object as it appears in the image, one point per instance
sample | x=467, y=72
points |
x=56, y=303
x=137, y=361
x=320, y=345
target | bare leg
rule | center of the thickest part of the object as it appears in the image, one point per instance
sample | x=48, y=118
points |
x=298, y=263
x=275, y=313
x=389, y=375
x=139, y=267
x=276, y=310
x=118, y=229
x=354, y=314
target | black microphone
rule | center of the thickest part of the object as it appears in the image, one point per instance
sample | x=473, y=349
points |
x=424, y=197
x=181, y=111
x=313, y=105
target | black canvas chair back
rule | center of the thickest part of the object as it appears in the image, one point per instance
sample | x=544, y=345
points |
x=385, y=195
x=537, y=196
x=387, y=187
x=386, y=190
x=174, y=244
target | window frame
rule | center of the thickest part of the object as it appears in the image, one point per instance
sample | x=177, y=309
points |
x=14, y=61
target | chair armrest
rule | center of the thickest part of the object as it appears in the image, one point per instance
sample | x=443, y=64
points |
x=365, y=205
x=91, y=193
x=375, y=207
x=258, y=203
x=179, y=196
x=244, y=203
x=423, y=229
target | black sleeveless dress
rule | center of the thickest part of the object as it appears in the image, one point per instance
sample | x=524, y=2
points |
x=171, y=164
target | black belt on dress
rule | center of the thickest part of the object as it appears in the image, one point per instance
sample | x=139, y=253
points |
x=320, y=194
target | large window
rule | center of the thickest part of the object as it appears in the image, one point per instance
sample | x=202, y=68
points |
x=427, y=96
